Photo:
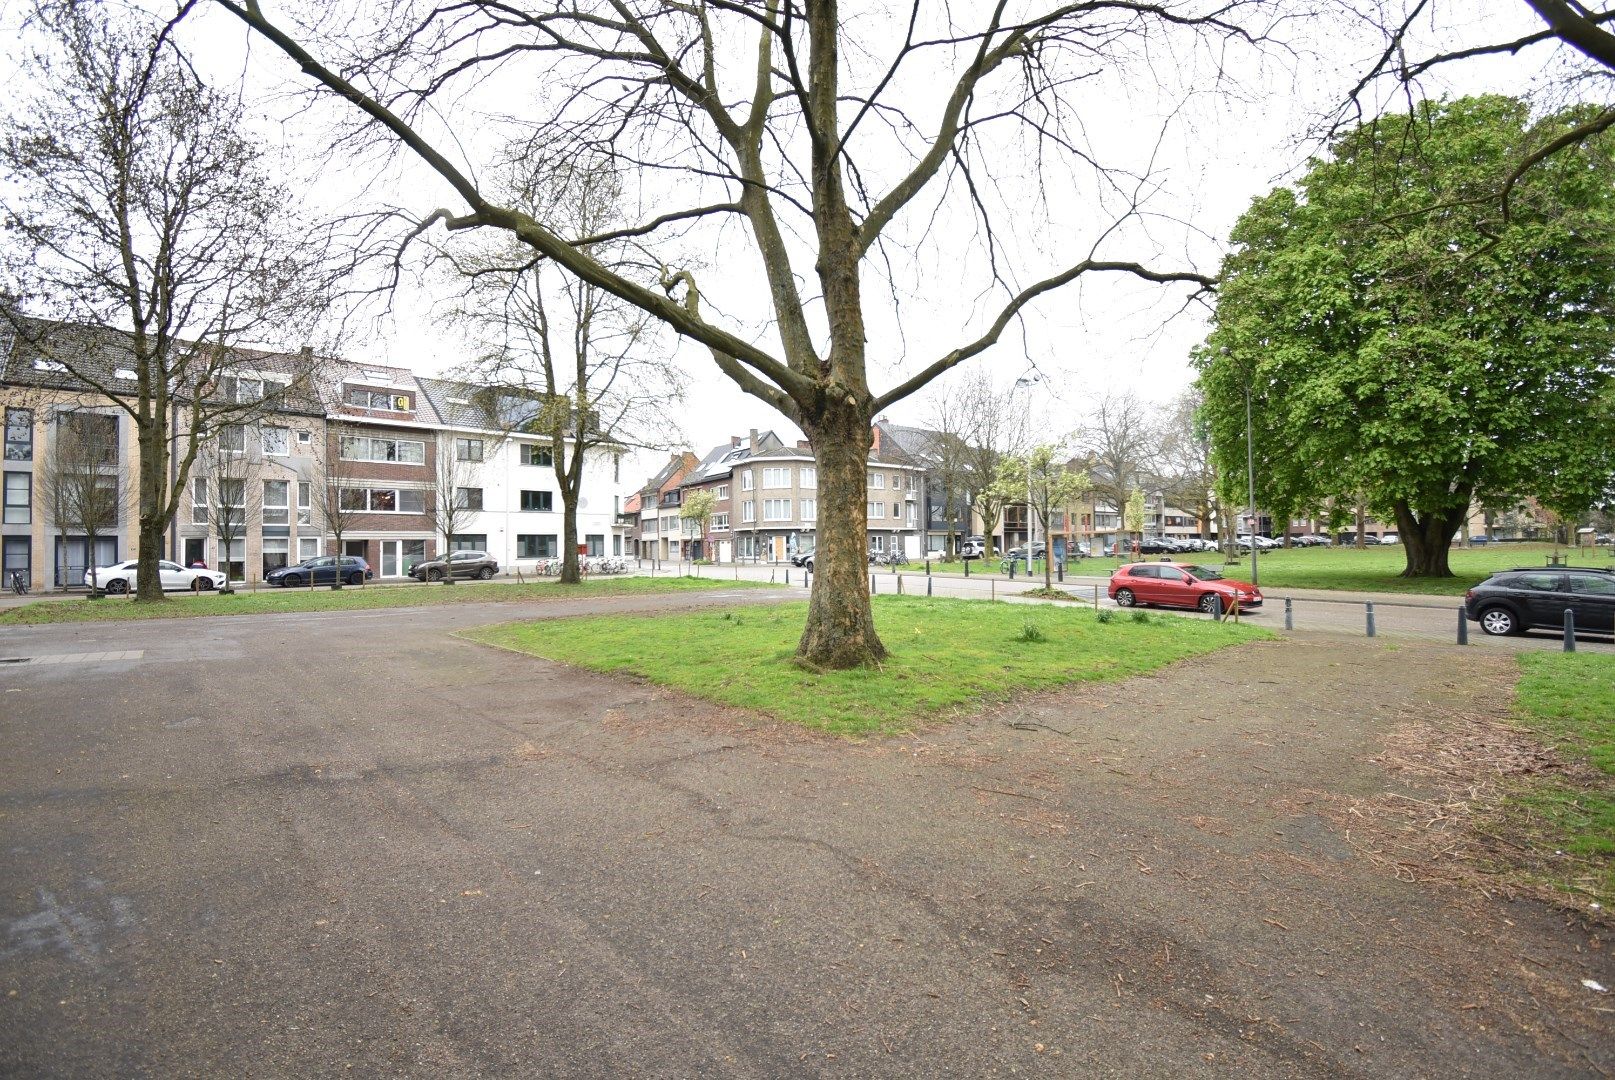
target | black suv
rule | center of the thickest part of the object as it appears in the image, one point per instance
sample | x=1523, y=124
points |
x=1513, y=601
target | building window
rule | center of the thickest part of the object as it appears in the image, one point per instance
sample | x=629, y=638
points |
x=199, y=499
x=897, y=481
x=468, y=542
x=305, y=512
x=616, y=543
x=723, y=492
x=275, y=509
x=776, y=478
x=308, y=547
x=746, y=480
x=536, y=545
x=897, y=511
x=467, y=449
x=233, y=439
x=276, y=553
x=877, y=481
x=16, y=557
x=748, y=511
x=19, y=434
x=468, y=498
x=776, y=509
x=596, y=543
x=304, y=438
x=720, y=522
x=403, y=451
x=383, y=500
x=233, y=560
x=875, y=511
x=810, y=509
x=539, y=501
x=19, y=492
x=808, y=477
x=533, y=454
x=96, y=435
x=276, y=440
x=377, y=399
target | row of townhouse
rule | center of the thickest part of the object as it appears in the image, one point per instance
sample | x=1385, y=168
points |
x=765, y=502
x=373, y=448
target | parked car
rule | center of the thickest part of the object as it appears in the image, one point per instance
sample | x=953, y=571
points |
x=1040, y=550
x=120, y=577
x=1390, y=538
x=1479, y=539
x=1263, y=543
x=1513, y=601
x=801, y=558
x=1180, y=585
x=974, y=547
x=321, y=570
x=460, y=564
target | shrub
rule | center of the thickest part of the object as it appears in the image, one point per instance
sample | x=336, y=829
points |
x=1031, y=632
x=1104, y=615
x=1140, y=616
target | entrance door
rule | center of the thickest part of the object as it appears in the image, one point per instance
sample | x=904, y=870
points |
x=392, y=558
x=195, y=550
x=779, y=549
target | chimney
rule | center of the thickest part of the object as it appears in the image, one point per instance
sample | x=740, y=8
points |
x=753, y=442
x=874, y=447
x=803, y=444
x=734, y=442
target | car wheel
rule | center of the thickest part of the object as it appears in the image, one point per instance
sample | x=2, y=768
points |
x=356, y=578
x=1209, y=603
x=485, y=573
x=434, y=575
x=291, y=581
x=118, y=587
x=1125, y=598
x=207, y=584
x=1499, y=622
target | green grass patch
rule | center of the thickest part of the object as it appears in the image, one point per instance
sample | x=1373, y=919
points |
x=1374, y=569
x=1569, y=698
x=321, y=598
x=944, y=655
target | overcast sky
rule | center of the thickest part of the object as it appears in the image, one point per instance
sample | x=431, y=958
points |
x=1208, y=149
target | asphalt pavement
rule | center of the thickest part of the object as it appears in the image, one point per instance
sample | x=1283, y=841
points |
x=350, y=843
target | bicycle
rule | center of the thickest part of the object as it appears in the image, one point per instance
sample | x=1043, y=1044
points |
x=19, y=585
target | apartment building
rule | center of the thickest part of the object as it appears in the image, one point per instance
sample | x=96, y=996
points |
x=714, y=473
x=661, y=532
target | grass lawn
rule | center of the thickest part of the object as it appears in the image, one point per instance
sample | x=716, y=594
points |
x=945, y=655
x=1373, y=569
x=1570, y=699
x=348, y=599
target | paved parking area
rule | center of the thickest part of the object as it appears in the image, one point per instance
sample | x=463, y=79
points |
x=354, y=844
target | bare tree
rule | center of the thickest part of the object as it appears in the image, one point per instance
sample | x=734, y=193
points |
x=234, y=495
x=996, y=430
x=946, y=455
x=1188, y=476
x=564, y=358
x=793, y=119
x=1043, y=476
x=133, y=201
x=339, y=503
x=81, y=486
x=1118, y=445
x=454, y=496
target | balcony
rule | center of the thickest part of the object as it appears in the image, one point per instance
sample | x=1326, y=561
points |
x=626, y=520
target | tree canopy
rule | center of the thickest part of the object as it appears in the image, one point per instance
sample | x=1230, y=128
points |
x=1402, y=334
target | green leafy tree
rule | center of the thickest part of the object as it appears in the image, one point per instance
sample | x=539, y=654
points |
x=1133, y=514
x=697, y=508
x=1397, y=337
x=1042, y=474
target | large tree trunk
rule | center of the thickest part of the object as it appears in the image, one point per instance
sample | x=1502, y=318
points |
x=153, y=495
x=840, y=631
x=1427, y=541
x=569, y=539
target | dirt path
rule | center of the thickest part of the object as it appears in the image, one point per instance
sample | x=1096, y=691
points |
x=433, y=858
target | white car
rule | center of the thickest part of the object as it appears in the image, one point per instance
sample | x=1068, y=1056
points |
x=120, y=577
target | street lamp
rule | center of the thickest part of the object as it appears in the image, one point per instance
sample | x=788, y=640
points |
x=1028, y=380
x=1250, y=479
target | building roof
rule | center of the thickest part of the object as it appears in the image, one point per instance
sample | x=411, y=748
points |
x=721, y=459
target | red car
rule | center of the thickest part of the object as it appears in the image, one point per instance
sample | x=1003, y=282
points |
x=1181, y=585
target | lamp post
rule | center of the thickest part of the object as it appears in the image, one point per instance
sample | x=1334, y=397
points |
x=1028, y=380
x=1250, y=479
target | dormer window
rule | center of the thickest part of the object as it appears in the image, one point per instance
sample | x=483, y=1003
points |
x=377, y=399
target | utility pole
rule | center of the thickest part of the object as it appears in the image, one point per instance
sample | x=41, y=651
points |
x=1250, y=479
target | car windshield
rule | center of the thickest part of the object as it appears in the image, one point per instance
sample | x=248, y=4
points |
x=1205, y=573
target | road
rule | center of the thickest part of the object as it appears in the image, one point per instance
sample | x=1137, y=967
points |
x=351, y=843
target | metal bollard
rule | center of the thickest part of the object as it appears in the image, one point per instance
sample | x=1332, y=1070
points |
x=871, y=584
x=1369, y=605
x=807, y=579
x=787, y=575
x=899, y=584
x=1216, y=607
x=927, y=584
x=967, y=568
x=1059, y=573
x=1289, y=615
x=1463, y=626
x=1096, y=598
x=1012, y=569
x=1570, y=629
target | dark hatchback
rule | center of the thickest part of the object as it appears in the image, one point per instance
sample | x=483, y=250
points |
x=1514, y=601
x=321, y=570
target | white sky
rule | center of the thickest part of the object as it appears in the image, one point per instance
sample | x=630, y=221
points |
x=1209, y=154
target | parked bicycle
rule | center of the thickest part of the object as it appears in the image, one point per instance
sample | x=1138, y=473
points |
x=19, y=584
